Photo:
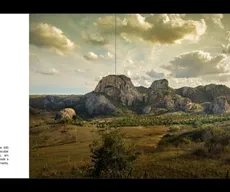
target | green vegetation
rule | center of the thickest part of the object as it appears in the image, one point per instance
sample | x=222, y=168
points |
x=141, y=120
x=213, y=141
x=77, y=121
x=111, y=157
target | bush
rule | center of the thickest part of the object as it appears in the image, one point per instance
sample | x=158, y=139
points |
x=197, y=124
x=216, y=140
x=77, y=122
x=173, y=129
x=111, y=158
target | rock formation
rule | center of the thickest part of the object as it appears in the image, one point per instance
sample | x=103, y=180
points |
x=116, y=94
x=205, y=93
x=66, y=114
x=220, y=105
x=160, y=95
x=119, y=88
x=98, y=104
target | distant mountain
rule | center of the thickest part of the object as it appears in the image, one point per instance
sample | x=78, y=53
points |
x=205, y=93
x=116, y=94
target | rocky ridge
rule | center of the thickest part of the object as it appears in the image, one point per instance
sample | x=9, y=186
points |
x=116, y=94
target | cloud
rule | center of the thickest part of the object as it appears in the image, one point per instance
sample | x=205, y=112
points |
x=227, y=36
x=142, y=81
x=226, y=48
x=94, y=39
x=107, y=56
x=154, y=74
x=197, y=63
x=48, y=36
x=214, y=19
x=80, y=71
x=124, y=36
x=50, y=71
x=130, y=61
x=91, y=56
x=223, y=77
x=135, y=75
x=184, y=82
x=128, y=72
x=156, y=28
x=102, y=74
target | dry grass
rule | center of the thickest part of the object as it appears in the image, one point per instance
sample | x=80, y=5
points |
x=62, y=147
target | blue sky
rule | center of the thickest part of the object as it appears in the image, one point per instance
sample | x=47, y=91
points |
x=70, y=53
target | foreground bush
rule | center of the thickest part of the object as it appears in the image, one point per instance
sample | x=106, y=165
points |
x=111, y=157
x=216, y=141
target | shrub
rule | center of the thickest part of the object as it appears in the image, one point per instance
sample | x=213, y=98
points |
x=216, y=140
x=173, y=129
x=72, y=121
x=197, y=124
x=111, y=157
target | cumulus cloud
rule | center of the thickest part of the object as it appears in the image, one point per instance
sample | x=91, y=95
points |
x=48, y=36
x=125, y=37
x=142, y=81
x=156, y=28
x=214, y=19
x=49, y=71
x=94, y=39
x=155, y=74
x=107, y=56
x=129, y=64
x=91, y=56
x=197, y=63
x=136, y=76
x=184, y=82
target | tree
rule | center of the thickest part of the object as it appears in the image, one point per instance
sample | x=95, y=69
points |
x=111, y=157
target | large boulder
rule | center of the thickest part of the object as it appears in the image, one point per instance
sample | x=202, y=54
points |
x=66, y=114
x=119, y=88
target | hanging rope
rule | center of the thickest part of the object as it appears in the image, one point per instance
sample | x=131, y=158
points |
x=115, y=55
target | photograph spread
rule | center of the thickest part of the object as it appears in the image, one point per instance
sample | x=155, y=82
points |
x=123, y=96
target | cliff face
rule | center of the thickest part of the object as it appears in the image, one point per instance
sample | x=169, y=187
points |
x=205, y=93
x=160, y=95
x=119, y=88
x=220, y=105
x=97, y=104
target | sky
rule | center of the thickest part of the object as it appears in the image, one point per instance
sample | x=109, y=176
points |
x=70, y=53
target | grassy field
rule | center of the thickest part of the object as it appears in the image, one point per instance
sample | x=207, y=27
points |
x=62, y=150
